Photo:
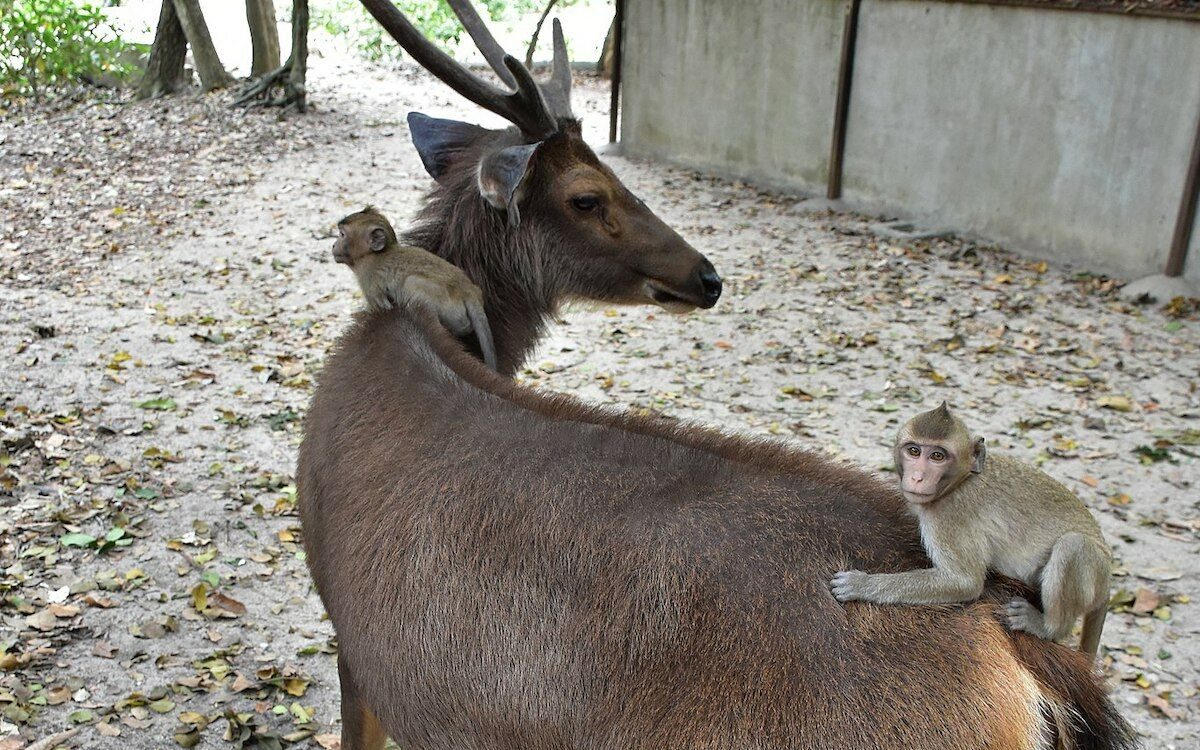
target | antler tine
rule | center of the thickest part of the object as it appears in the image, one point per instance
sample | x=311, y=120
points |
x=523, y=107
x=484, y=41
x=528, y=98
x=557, y=90
x=560, y=77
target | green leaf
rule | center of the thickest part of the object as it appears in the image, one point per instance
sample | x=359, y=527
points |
x=300, y=714
x=161, y=706
x=77, y=540
x=164, y=403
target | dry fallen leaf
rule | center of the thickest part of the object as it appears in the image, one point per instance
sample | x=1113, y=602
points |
x=229, y=604
x=42, y=620
x=1145, y=601
x=1116, y=403
x=329, y=741
x=1161, y=705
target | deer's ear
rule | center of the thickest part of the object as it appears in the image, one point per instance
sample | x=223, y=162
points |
x=440, y=143
x=500, y=178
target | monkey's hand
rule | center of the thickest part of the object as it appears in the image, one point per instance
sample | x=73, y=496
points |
x=850, y=585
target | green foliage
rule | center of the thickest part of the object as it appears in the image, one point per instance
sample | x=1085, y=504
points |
x=433, y=17
x=46, y=44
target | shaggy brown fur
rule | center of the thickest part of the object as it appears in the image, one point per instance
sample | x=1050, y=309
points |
x=508, y=570
x=555, y=253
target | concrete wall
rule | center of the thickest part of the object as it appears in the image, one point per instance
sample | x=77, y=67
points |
x=1066, y=133
x=1061, y=134
x=733, y=86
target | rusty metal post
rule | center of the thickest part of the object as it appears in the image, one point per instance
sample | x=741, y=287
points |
x=1187, y=212
x=618, y=43
x=841, y=111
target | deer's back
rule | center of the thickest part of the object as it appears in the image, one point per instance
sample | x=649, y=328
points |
x=499, y=579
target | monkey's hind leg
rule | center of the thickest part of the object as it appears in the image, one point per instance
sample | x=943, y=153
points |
x=1093, y=626
x=483, y=332
x=1071, y=583
x=1023, y=616
x=361, y=729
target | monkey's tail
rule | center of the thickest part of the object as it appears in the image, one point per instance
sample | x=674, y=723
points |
x=1093, y=626
x=483, y=332
x=1082, y=714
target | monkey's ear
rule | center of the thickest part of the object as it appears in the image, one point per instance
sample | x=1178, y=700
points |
x=378, y=240
x=978, y=456
x=500, y=178
x=440, y=143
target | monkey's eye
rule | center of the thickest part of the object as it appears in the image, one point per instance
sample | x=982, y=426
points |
x=914, y=451
x=938, y=455
x=585, y=202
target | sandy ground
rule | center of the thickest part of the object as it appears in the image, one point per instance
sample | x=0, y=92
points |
x=157, y=360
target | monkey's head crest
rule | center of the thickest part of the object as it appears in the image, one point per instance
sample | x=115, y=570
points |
x=936, y=424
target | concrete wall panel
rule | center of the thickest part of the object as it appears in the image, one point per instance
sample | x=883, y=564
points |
x=739, y=87
x=1061, y=133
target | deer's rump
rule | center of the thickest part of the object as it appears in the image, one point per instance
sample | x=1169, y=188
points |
x=500, y=578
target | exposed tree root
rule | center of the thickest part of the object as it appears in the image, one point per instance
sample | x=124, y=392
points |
x=279, y=88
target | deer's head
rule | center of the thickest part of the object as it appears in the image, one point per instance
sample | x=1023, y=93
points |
x=541, y=178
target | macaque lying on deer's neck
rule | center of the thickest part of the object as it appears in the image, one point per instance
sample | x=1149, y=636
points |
x=392, y=274
x=980, y=512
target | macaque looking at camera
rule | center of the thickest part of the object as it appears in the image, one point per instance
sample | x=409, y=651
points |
x=390, y=274
x=980, y=513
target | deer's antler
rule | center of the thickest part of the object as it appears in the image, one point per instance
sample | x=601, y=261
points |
x=556, y=91
x=532, y=108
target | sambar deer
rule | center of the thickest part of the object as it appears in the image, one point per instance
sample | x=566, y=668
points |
x=512, y=570
x=530, y=213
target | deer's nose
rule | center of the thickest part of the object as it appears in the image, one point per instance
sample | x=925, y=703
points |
x=710, y=282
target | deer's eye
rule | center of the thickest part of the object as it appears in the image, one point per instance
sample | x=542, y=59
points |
x=585, y=202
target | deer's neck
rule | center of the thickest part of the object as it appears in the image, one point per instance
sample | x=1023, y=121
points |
x=517, y=299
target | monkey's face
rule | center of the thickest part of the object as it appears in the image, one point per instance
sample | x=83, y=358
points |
x=927, y=471
x=341, y=248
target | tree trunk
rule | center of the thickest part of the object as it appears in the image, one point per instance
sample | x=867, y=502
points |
x=298, y=60
x=264, y=36
x=290, y=77
x=204, y=54
x=607, y=51
x=164, y=72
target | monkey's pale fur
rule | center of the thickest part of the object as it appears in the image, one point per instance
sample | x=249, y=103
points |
x=1007, y=517
x=390, y=274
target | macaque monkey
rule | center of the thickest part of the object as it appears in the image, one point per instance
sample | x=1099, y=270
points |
x=390, y=273
x=1007, y=517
